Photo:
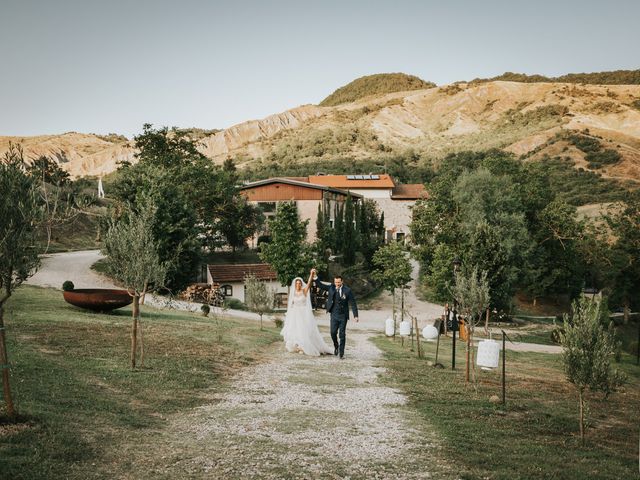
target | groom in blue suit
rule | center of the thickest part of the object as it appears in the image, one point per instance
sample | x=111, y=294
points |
x=340, y=296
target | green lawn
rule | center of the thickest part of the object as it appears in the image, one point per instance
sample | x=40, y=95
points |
x=536, y=436
x=81, y=233
x=82, y=406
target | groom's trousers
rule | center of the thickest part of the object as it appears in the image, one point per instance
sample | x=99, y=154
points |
x=338, y=330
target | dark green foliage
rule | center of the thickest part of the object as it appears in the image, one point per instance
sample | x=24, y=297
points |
x=241, y=221
x=375, y=84
x=20, y=215
x=577, y=186
x=198, y=203
x=348, y=239
x=602, y=158
x=47, y=170
x=339, y=229
x=68, y=285
x=616, y=77
x=585, y=143
x=288, y=253
x=621, y=261
x=496, y=213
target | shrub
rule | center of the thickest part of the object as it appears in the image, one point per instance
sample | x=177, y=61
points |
x=205, y=309
x=234, y=304
x=68, y=286
x=279, y=322
x=604, y=157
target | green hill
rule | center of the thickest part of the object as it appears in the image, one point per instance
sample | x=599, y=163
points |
x=375, y=84
x=615, y=77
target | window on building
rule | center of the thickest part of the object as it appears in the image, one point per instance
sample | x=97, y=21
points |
x=400, y=237
x=227, y=290
x=267, y=207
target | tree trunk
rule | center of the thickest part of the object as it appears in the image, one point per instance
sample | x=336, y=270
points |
x=134, y=328
x=626, y=311
x=4, y=366
x=581, y=401
x=466, y=375
x=418, y=337
x=260, y=321
x=486, y=323
x=393, y=311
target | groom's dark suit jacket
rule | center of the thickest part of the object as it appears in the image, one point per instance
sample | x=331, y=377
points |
x=339, y=305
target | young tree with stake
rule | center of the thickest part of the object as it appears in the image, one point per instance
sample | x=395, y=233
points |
x=133, y=259
x=587, y=352
x=259, y=298
x=471, y=291
x=393, y=270
x=19, y=218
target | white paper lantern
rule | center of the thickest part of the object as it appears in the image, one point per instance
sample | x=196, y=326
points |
x=488, y=354
x=405, y=328
x=430, y=332
x=389, y=327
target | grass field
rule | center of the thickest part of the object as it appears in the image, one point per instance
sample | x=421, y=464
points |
x=84, y=411
x=81, y=233
x=536, y=435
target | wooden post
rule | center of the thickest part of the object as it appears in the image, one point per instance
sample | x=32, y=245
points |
x=437, y=348
x=466, y=375
x=134, y=328
x=504, y=368
x=4, y=366
x=415, y=319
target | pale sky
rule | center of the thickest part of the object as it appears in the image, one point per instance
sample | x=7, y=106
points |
x=110, y=66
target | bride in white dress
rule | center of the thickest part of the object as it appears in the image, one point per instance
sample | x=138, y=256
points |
x=300, y=329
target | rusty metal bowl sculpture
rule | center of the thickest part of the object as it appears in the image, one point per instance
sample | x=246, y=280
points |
x=98, y=299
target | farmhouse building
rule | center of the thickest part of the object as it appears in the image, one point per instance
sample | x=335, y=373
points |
x=308, y=197
x=395, y=200
x=231, y=279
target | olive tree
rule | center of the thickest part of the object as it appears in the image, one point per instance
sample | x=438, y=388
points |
x=20, y=215
x=471, y=291
x=258, y=296
x=133, y=259
x=587, y=352
x=392, y=269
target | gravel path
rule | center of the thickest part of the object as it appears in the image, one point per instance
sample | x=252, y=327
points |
x=74, y=266
x=305, y=417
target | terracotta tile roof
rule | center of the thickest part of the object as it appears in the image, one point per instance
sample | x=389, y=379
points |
x=353, y=181
x=300, y=183
x=409, y=191
x=235, y=273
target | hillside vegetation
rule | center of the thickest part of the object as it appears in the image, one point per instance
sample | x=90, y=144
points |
x=374, y=85
x=616, y=77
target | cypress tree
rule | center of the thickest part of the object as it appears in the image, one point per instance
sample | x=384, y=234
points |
x=339, y=240
x=349, y=244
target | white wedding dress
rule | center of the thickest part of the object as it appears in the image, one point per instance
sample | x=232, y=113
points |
x=300, y=329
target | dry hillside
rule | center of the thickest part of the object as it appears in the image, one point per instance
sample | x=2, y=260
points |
x=529, y=119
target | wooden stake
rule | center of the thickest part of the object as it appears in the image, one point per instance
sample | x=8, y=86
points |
x=134, y=329
x=4, y=366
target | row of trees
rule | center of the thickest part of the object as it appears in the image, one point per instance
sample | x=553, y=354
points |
x=494, y=212
x=357, y=232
